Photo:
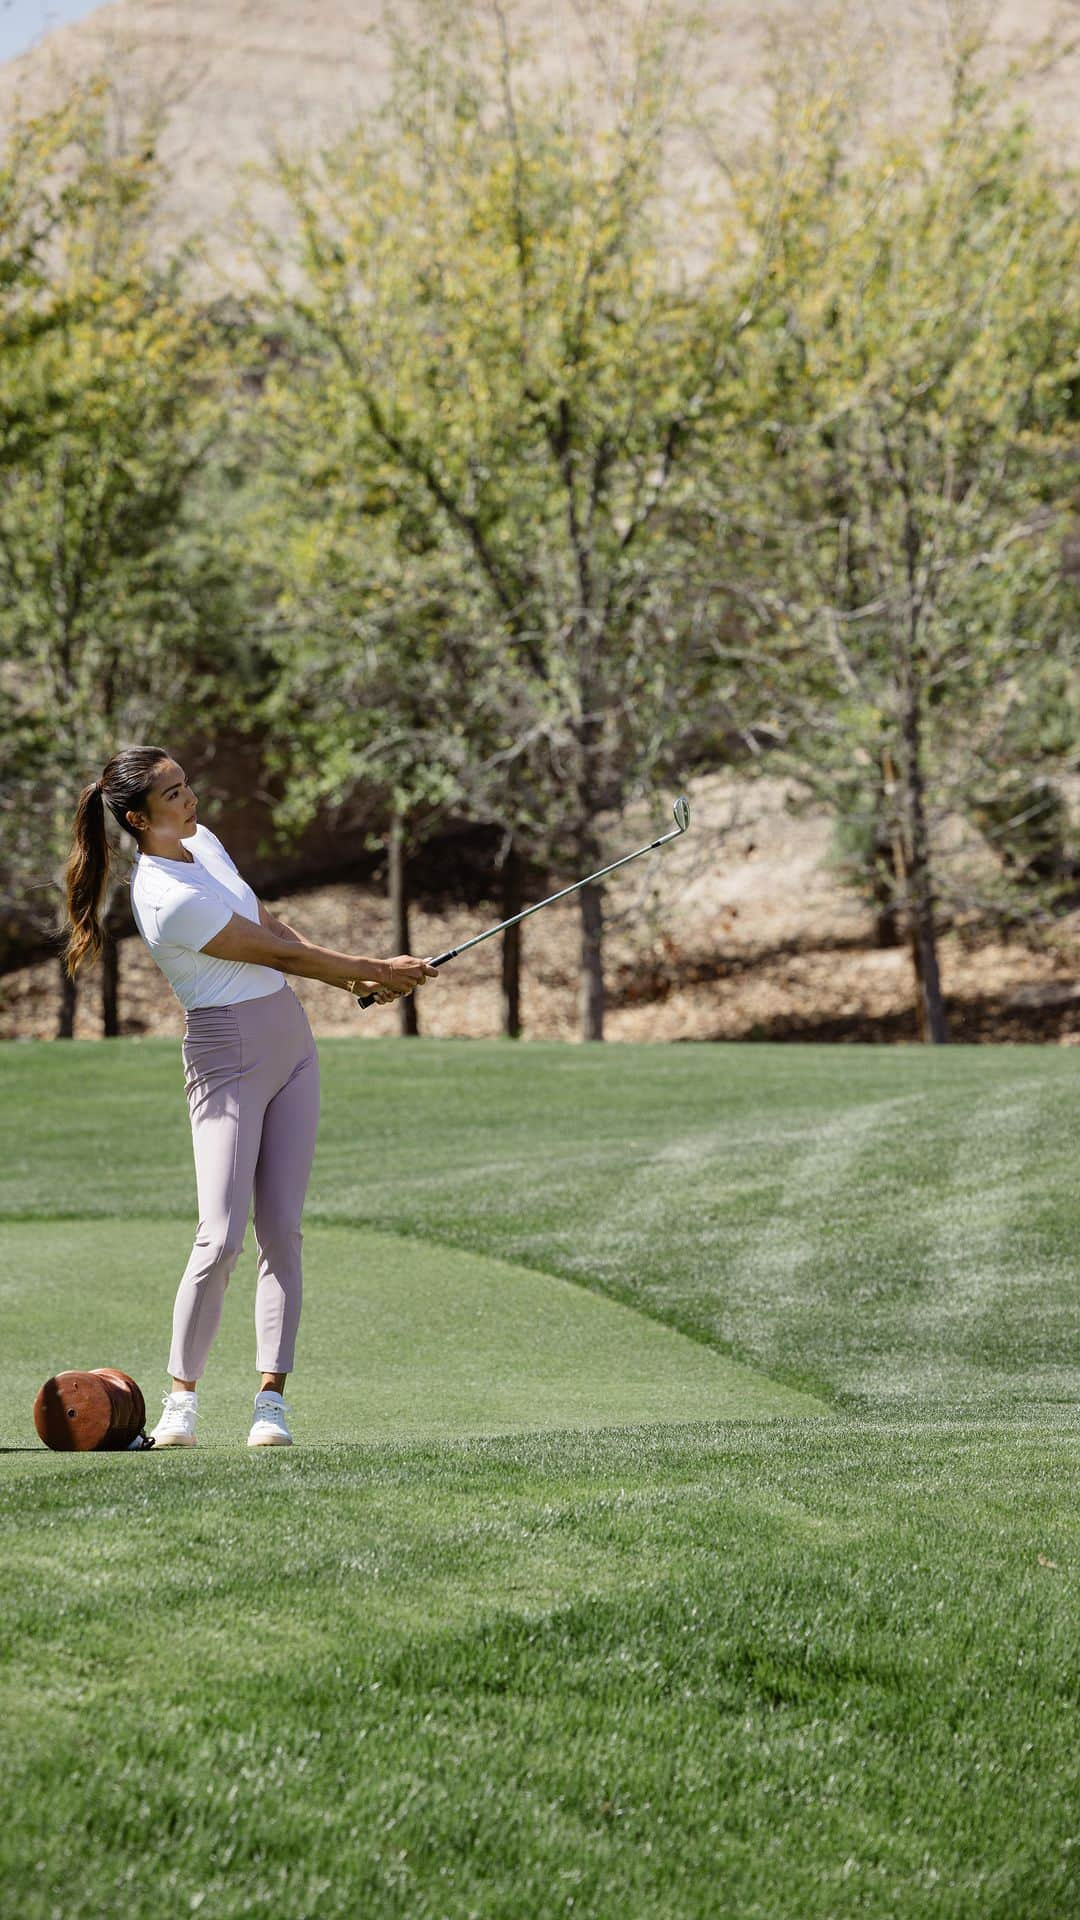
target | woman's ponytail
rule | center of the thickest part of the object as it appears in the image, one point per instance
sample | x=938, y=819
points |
x=85, y=876
x=124, y=787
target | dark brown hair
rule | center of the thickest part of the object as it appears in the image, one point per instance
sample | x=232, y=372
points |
x=124, y=785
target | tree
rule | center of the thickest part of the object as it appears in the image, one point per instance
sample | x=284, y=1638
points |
x=110, y=398
x=900, y=613
x=486, y=318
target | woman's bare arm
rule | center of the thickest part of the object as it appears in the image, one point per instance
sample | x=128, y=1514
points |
x=285, y=932
x=281, y=927
x=242, y=939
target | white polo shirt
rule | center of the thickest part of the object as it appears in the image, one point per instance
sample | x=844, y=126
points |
x=178, y=908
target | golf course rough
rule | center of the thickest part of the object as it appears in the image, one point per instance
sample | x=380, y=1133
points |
x=682, y=1522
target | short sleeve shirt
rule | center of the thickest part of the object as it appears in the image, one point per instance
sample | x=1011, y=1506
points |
x=178, y=908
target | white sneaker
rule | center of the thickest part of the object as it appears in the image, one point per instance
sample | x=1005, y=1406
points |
x=176, y=1428
x=268, y=1428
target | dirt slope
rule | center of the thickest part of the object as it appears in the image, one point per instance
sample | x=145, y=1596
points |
x=231, y=78
x=737, y=930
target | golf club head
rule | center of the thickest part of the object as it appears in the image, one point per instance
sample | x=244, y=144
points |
x=682, y=813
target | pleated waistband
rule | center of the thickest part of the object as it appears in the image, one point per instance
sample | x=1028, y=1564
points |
x=219, y=1023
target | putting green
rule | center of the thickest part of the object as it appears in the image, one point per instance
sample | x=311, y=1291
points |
x=399, y=1339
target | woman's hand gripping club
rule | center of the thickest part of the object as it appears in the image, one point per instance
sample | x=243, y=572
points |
x=406, y=974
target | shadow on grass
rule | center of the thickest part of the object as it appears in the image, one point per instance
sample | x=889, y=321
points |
x=980, y=1022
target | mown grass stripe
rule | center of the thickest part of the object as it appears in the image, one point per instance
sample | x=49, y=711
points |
x=398, y=1338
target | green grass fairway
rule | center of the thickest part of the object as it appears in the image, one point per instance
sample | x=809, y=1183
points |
x=401, y=1339
x=683, y=1522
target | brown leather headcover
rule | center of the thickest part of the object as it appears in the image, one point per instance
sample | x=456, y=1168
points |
x=101, y=1411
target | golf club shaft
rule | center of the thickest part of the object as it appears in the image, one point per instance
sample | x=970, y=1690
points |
x=440, y=959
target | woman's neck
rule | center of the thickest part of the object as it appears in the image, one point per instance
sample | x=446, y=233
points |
x=165, y=846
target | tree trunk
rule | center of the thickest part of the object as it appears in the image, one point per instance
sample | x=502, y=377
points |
x=110, y=983
x=591, y=992
x=511, y=945
x=886, y=917
x=69, y=995
x=399, y=917
x=592, y=963
x=920, y=877
x=902, y=869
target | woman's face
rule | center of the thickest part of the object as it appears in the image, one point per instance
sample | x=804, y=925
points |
x=170, y=803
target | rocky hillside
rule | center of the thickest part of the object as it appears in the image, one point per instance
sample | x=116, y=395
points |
x=229, y=79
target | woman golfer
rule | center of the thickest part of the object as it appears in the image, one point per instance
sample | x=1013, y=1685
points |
x=250, y=1066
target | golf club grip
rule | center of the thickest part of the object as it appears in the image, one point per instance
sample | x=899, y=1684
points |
x=437, y=960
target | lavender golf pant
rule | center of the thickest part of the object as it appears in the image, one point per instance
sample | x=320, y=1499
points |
x=252, y=1078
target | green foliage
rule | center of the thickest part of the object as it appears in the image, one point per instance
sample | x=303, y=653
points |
x=903, y=612
x=486, y=504
x=484, y=408
x=1027, y=820
x=112, y=587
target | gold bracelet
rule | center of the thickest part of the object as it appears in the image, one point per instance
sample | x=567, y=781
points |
x=350, y=986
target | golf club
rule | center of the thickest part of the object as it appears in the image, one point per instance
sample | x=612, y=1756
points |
x=682, y=821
